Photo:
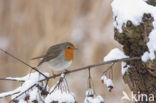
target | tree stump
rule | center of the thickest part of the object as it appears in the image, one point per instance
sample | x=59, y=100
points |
x=141, y=77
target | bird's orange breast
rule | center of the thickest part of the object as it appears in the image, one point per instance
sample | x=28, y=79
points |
x=69, y=54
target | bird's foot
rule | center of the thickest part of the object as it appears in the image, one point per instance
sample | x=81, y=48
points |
x=53, y=74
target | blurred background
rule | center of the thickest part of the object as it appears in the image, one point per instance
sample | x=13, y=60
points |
x=29, y=27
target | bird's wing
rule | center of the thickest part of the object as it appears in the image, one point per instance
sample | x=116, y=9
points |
x=37, y=57
x=51, y=54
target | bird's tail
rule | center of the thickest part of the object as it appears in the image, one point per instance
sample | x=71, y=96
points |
x=37, y=57
x=40, y=63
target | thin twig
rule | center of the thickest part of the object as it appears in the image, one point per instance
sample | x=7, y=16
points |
x=72, y=71
x=110, y=67
x=12, y=80
x=57, y=85
x=34, y=68
x=89, y=77
x=67, y=84
x=46, y=84
x=92, y=66
x=22, y=93
x=10, y=94
x=89, y=66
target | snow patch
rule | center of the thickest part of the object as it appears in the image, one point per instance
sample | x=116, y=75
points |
x=132, y=10
x=108, y=82
x=89, y=92
x=32, y=76
x=60, y=97
x=115, y=54
x=151, y=46
x=124, y=67
x=28, y=88
x=96, y=99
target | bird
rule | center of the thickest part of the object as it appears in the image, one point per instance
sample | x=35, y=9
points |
x=59, y=56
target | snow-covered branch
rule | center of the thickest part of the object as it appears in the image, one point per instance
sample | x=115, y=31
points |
x=33, y=83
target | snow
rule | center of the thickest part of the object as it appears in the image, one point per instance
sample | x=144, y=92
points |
x=31, y=80
x=133, y=10
x=145, y=57
x=60, y=93
x=124, y=67
x=151, y=46
x=108, y=82
x=60, y=96
x=97, y=99
x=32, y=76
x=89, y=92
x=22, y=101
x=9, y=93
x=62, y=75
x=145, y=0
x=35, y=94
x=92, y=98
x=115, y=54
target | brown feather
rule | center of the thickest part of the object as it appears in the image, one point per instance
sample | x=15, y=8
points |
x=53, y=52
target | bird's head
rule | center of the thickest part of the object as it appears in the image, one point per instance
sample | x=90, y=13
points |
x=69, y=49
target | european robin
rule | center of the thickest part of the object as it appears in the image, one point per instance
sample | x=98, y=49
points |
x=59, y=56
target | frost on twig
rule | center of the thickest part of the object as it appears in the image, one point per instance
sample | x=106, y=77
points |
x=108, y=82
x=10, y=93
x=30, y=90
x=60, y=93
x=115, y=54
x=92, y=98
x=34, y=88
x=124, y=67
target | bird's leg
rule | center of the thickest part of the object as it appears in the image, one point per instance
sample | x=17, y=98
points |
x=53, y=74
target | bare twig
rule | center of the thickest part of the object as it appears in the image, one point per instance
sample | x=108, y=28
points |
x=57, y=85
x=86, y=67
x=34, y=68
x=67, y=72
x=89, y=78
x=75, y=70
x=92, y=66
x=109, y=68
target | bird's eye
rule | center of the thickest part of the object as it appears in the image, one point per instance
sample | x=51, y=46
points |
x=68, y=47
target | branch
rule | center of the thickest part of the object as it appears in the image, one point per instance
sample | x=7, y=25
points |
x=6, y=94
x=34, y=68
x=57, y=85
x=7, y=79
x=109, y=68
x=22, y=93
x=91, y=66
x=72, y=71
x=83, y=68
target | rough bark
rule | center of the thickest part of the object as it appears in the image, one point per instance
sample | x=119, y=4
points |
x=151, y=2
x=141, y=77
